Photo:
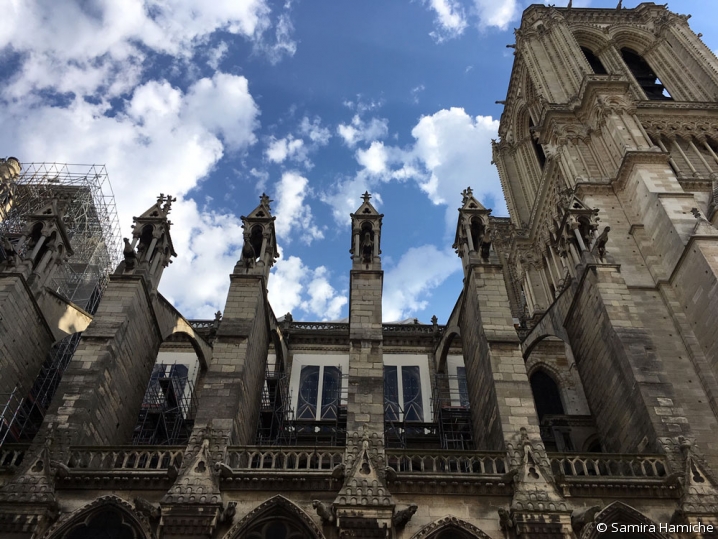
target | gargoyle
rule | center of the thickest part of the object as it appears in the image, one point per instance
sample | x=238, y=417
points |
x=338, y=471
x=506, y=521
x=580, y=518
x=325, y=513
x=224, y=470
x=147, y=508
x=130, y=255
x=401, y=518
x=228, y=512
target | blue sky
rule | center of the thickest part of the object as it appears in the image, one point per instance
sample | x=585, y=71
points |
x=312, y=101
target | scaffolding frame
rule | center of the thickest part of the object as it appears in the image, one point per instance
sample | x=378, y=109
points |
x=449, y=425
x=90, y=218
x=168, y=409
x=279, y=426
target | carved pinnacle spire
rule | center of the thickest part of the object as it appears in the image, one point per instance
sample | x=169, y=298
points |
x=366, y=196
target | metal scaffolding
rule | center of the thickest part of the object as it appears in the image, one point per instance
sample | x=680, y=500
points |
x=278, y=424
x=92, y=225
x=168, y=408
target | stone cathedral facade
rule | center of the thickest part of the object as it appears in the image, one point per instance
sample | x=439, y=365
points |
x=573, y=389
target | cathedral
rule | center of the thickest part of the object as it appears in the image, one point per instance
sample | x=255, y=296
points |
x=572, y=392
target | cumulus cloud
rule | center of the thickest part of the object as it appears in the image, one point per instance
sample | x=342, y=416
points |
x=498, y=14
x=345, y=197
x=293, y=286
x=451, y=151
x=450, y=19
x=279, y=150
x=70, y=46
x=358, y=130
x=314, y=131
x=408, y=284
x=293, y=213
x=157, y=142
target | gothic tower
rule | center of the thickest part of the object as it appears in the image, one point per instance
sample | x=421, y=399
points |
x=607, y=157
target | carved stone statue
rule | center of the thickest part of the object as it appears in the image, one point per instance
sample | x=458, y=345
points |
x=130, y=255
x=366, y=247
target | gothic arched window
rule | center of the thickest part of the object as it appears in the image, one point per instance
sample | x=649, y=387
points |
x=108, y=524
x=275, y=529
x=645, y=76
x=546, y=395
x=540, y=155
x=594, y=62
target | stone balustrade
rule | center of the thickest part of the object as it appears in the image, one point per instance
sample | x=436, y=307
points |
x=447, y=462
x=150, y=458
x=290, y=459
x=613, y=466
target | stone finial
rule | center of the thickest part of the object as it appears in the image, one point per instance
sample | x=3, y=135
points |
x=264, y=200
x=466, y=194
x=366, y=196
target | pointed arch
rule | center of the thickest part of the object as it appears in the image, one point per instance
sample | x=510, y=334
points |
x=620, y=513
x=276, y=509
x=108, y=511
x=457, y=529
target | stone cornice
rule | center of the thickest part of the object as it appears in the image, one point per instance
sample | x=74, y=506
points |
x=633, y=158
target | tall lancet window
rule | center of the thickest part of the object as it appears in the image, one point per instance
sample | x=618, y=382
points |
x=645, y=76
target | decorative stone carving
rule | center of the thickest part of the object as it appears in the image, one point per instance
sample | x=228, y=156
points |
x=402, y=518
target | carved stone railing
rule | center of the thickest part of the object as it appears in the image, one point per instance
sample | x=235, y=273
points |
x=318, y=326
x=289, y=459
x=428, y=329
x=610, y=466
x=11, y=455
x=404, y=461
x=202, y=324
x=448, y=473
x=148, y=458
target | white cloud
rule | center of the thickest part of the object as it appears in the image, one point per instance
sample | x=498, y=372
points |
x=208, y=245
x=293, y=213
x=345, y=197
x=499, y=14
x=314, y=131
x=452, y=150
x=282, y=149
x=293, y=286
x=374, y=159
x=456, y=150
x=359, y=130
x=225, y=107
x=408, y=285
x=450, y=19
x=81, y=47
x=215, y=55
x=157, y=142
x=415, y=93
